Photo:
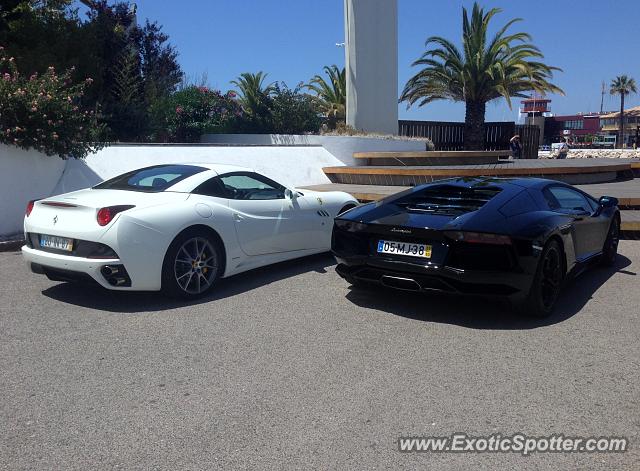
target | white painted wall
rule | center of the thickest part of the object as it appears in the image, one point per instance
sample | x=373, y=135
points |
x=24, y=175
x=296, y=161
x=27, y=175
x=342, y=147
x=291, y=166
x=371, y=59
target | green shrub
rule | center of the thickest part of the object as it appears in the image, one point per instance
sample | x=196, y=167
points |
x=293, y=112
x=44, y=112
x=279, y=110
x=193, y=111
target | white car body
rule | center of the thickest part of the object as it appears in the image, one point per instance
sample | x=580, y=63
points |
x=254, y=232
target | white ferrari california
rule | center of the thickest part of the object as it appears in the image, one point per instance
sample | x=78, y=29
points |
x=176, y=228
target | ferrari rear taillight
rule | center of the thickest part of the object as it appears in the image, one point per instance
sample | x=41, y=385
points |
x=106, y=215
x=479, y=238
x=30, y=206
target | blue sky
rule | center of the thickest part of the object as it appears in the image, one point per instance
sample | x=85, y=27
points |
x=291, y=40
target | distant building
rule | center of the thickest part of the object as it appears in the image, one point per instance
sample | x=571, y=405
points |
x=575, y=128
x=580, y=129
x=535, y=106
x=536, y=110
x=610, y=125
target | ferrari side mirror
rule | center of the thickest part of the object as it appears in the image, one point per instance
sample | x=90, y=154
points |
x=291, y=194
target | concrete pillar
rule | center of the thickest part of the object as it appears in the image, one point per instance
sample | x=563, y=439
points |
x=371, y=49
x=537, y=121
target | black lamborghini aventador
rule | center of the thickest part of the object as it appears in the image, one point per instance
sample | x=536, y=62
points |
x=513, y=237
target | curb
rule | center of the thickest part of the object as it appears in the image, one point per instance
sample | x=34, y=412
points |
x=11, y=245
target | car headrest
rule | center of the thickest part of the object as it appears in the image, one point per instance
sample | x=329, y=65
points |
x=158, y=182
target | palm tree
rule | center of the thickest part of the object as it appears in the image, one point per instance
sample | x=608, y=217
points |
x=254, y=96
x=331, y=95
x=622, y=85
x=506, y=66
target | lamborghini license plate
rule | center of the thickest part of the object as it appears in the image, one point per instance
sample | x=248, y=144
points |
x=404, y=248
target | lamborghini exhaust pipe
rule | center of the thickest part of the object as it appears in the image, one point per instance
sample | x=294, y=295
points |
x=398, y=282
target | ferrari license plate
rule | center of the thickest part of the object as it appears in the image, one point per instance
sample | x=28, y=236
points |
x=55, y=242
x=404, y=248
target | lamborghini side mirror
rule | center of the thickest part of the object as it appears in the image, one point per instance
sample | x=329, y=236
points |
x=608, y=201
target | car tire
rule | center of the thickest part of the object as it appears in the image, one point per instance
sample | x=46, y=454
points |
x=192, y=265
x=547, y=282
x=610, y=249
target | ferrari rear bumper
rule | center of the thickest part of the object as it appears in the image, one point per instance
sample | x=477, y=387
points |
x=109, y=273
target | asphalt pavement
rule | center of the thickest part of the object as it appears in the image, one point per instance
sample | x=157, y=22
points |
x=287, y=367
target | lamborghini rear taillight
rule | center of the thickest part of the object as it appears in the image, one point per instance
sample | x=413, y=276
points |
x=106, y=215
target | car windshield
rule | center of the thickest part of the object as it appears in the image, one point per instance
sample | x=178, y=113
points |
x=150, y=179
x=448, y=199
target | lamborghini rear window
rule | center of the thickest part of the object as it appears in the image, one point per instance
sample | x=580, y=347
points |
x=448, y=199
x=151, y=179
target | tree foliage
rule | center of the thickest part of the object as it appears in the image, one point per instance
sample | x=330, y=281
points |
x=255, y=98
x=45, y=112
x=622, y=85
x=331, y=94
x=293, y=112
x=485, y=68
x=274, y=108
x=193, y=111
x=136, y=86
x=132, y=66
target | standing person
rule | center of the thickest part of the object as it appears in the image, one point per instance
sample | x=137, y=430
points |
x=516, y=147
x=563, y=149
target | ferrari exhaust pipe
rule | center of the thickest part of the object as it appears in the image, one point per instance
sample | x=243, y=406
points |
x=115, y=275
x=109, y=270
x=116, y=281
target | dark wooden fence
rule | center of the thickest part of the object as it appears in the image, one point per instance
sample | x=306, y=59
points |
x=445, y=136
x=530, y=139
x=450, y=135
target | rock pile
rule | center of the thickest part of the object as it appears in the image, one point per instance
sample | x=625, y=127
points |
x=594, y=154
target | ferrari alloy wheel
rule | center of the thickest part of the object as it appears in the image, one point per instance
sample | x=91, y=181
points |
x=610, y=249
x=547, y=282
x=192, y=265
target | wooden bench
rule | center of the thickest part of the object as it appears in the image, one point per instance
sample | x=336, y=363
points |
x=570, y=171
x=430, y=158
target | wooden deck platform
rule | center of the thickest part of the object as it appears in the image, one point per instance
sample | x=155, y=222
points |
x=571, y=171
x=630, y=220
x=628, y=192
x=431, y=158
